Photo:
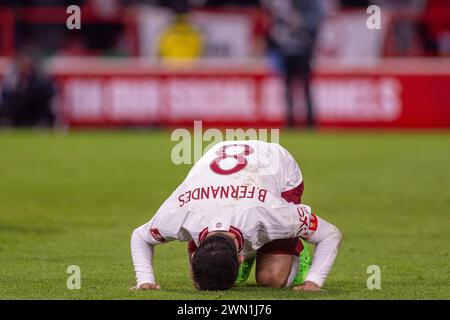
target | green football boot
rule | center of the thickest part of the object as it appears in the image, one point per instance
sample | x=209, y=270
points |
x=244, y=270
x=303, y=266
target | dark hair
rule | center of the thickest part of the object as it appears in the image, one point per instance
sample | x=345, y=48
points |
x=215, y=263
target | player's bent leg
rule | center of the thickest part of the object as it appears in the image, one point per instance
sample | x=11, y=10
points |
x=276, y=261
x=272, y=270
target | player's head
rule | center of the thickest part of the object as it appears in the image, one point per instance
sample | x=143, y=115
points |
x=215, y=263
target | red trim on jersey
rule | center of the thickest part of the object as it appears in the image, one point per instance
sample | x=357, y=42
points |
x=294, y=195
x=191, y=247
x=240, y=238
x=156, y=235
x=313, y=222
x=303, y=218
x=233, y=230
x=202, y=235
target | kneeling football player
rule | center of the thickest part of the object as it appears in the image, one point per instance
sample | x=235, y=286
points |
x=240, y=203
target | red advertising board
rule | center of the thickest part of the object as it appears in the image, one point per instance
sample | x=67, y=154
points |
x=131, y=92
x=387, y=96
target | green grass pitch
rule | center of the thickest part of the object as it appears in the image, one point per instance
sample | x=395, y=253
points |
x=74, y=199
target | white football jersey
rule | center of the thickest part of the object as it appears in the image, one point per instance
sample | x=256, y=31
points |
x=236, y=186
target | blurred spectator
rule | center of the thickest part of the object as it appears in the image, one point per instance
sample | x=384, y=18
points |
x=26, y=93
x=292, y=36
x=180, y=41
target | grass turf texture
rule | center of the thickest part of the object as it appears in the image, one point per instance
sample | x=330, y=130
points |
x=73, y=199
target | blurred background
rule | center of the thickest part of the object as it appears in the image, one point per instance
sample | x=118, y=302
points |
x=296, y=63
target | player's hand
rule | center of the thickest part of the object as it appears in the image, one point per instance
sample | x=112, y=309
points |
x=147, y=286
x=308, y=286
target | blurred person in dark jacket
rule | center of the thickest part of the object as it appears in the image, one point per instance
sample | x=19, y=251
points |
x=26, y=93
x=292, y=37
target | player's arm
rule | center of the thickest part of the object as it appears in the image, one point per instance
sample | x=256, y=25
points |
x=162, y=228
x=143, y=241
x=327, y=238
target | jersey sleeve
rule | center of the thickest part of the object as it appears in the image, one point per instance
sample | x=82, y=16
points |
x=143, y=241
x=155, y=231
x=307, y=222
x=327, y=239
x=162, y=228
